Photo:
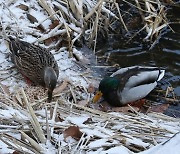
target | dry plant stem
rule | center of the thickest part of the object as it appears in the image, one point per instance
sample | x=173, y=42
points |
x=95, y=31
x=50, y=11
x=46, y=36
x=34, y=144
x=7, y=98
x=77, y=9
x=19, y=99
x=134, y=5
x=108, y=116
x=158, y=21
x=93, y=10
x=16, y=144
x=80, y=141
x=170, y=100
x=34, y=120
x=73, y=41
x=51, y=16
x=162, y=116
x=47, y=125
x=133, y=109
x=69, y=15
x=140, y=10
x=120, y=16
x=136, y=34
x=68, y=31
x=53, y=118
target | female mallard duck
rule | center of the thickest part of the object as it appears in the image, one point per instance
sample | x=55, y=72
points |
x=128, y=85
x=35, y=63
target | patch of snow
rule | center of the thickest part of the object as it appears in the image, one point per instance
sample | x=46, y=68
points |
x=4, y=148
x=117, y=150
x=77, y=120
x=102, y=142
x=172, y=146
x=94, y=132
x=10, y=113
x=137, y=142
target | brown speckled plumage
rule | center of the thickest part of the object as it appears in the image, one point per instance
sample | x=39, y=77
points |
x=34, y=62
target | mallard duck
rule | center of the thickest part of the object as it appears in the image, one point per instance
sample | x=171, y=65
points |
x=128, y=85
x=35, y=63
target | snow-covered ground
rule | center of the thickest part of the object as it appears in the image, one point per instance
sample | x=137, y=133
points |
x=101, y=132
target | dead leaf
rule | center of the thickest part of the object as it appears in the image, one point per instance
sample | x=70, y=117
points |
x=41, y=28
x=23, y=7
x=138, y=103
x=73, y=131
x=31, y=18
x=83, y=103
x=125, y=109
x=51, y=39
x=60, y=88
x=91, y=88
x=54, y=24
x=16, y=152
x=158, y=108
x=48, y=41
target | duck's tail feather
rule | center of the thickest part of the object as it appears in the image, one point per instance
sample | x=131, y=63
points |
x=161, y=74
x=12, y=44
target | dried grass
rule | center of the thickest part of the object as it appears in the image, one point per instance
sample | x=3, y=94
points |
x=150, y=129
x=95, y=17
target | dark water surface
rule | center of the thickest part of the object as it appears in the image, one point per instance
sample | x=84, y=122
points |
x=165, y=54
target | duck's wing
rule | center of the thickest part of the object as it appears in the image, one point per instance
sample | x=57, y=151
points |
x=138, y=75
x=123, y=70
x=144, y=76
x=136, y=93
x=137, y=82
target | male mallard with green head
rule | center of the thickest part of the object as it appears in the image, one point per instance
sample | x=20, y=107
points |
x=128, y=85
x=35, y=63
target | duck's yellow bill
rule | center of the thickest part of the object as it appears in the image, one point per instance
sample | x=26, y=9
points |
x=97, y=96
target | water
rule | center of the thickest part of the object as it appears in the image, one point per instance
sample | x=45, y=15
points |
x=165, y=54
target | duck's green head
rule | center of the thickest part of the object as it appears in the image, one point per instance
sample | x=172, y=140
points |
x=106, y=86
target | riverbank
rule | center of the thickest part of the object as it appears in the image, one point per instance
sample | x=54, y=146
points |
x=31, y=125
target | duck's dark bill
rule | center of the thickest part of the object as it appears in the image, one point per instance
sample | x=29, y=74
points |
x=97, y=96
x=49, y=96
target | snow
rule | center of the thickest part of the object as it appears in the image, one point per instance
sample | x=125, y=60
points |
x=117, y=150
x=103, y=135
x=77, y=120
x=172, y=146
x=4, y=148
x=102, y=142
